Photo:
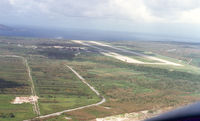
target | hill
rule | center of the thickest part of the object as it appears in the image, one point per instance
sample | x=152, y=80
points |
x=5, y=28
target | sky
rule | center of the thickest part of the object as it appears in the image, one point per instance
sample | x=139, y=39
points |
x=167, y=17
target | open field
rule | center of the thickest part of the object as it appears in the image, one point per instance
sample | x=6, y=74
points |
x=103, y=100
x=57, y=86
x=127, y=87
x=130, y=88
x=13, y=83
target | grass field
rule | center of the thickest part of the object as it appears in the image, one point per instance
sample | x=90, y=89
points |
x=130, y=88
x=57, y=87
x=13, y=83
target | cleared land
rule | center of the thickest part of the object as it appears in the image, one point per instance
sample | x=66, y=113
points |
x=124, y=58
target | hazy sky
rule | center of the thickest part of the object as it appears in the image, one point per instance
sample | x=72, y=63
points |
x=170, y=17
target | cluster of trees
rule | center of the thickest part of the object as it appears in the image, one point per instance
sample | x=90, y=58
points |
x=8, y=84
x=58, y=54
x=59, y=44
x=7, y=115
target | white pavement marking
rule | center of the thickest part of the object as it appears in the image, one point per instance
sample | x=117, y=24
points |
x=139, y=54
x=122, y=58
x=125, y=58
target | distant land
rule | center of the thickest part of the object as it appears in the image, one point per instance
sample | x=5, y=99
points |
x=5, y=28
x=81, y=34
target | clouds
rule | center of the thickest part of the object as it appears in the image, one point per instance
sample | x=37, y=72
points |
x=159, y=11
x=148, y=11
x=175, y=11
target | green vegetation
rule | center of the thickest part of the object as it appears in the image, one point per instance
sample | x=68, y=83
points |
x=57, y=53
x=109, y=73
x=126, y=87
x=19, y=111
x=130, y=87
x=13, y=83
x=59, y=88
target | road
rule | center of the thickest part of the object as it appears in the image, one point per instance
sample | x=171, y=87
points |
x=35, y=103
x=36, y=108
x=139, y=54
x=122, y=57
x=82, y=107
x=83, y=80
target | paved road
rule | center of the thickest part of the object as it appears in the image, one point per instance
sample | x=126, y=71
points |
x=125, y=58
x=36, y=108
x=139, y=54
x=82, y=107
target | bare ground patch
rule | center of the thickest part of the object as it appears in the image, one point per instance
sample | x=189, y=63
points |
x=135, y=116
x=30, y=99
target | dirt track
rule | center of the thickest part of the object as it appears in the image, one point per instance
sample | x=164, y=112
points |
x=36, y=108
x=82, y=107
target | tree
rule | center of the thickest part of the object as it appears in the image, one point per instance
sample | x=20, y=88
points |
x=11, y=115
